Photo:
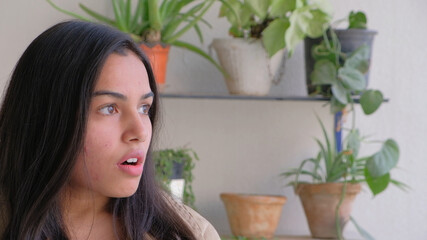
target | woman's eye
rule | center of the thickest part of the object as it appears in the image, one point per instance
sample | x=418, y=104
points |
x=108, y=110
x=144, y=109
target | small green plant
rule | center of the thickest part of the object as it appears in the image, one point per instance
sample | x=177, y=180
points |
x=154, y=21
x=357, y=20
x=278, y=23
x=166, y=159
x=343, y=73
x=348, y=167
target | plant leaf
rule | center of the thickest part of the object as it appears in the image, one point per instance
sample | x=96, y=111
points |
x=324, y=73
x=190, y=24
x=97, y=16
x=258, y=7
x=353, y=141
x=383, y=161
x=400, y=185
x=361, y=231
x=77, y=16
x=377, y=184
x=359, y=59
x=273, y=37
x=352, y=79
x=279, y=8
x=200, y=52
x=340, y=93
x=370, y=101
x=357, y=20
x=154, y=15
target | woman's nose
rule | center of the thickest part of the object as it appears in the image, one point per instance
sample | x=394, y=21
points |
x=136, y=127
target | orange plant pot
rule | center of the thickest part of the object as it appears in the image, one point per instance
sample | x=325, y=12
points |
x=158, y=56
x=253, y=216
x=320, y=202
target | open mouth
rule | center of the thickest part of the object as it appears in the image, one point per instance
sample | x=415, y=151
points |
x=131, y=161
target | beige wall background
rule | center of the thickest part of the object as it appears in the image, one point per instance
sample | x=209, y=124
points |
x=245, y=144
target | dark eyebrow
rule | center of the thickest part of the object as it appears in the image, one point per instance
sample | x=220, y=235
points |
x=119, y=95
x=148, y=95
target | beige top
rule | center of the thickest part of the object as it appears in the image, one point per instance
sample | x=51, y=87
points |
x=202, y=229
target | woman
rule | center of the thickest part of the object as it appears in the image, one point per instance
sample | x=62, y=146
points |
x=75, y=131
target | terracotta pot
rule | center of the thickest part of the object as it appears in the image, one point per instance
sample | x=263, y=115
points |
x=320, y=202
x=253, y=216
x=158, y=55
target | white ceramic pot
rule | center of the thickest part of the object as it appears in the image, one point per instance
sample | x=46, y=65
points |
x=250, y=70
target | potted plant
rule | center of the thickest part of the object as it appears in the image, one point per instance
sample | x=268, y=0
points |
x=334, y=180
x=252, y=215
x=337, y=45
x=155, y=25
x=174, y=169
x=260, y=30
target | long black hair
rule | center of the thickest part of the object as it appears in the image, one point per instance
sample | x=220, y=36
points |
x=42, y=127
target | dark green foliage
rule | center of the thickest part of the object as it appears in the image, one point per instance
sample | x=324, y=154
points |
x=164, y=162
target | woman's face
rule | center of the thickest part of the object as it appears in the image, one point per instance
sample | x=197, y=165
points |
x=118, y=132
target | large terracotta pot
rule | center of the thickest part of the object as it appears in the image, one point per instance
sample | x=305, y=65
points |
x=158, y=55
x=253, y=216
x=320, y=202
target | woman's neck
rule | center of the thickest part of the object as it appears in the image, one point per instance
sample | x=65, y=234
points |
x=86, y=215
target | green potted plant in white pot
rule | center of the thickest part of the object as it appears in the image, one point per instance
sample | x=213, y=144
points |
x=156, y=25
x=261, y=29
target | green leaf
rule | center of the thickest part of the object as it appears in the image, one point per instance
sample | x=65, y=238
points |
x=154, y=15
x=97, y=16
x=361, y=231
x=353, y=141
x=259, y=7
x=352, y=79
x=324, y=73
x=401, y=185
x=317, y=24
x=357, y=20
x=206, y=5
x=321, y=51
x=273, y=37
x=120, y=19
x=370, y=101
x=200, y=52
x=232, y=10
x=279, y=8
x=340, y=93
x=383, y=161
x=359, y=59
x=68, y=12
x=312, y=22
x=293, y=36
x=377, y=184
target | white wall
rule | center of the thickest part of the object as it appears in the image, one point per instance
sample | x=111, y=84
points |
x=244, y=145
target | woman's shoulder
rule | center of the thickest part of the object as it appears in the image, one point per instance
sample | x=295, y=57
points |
x=201, y=227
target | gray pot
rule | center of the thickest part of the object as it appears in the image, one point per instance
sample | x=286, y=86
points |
x=350, y=40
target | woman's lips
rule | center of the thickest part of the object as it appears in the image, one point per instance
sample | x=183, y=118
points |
x=131, y=167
